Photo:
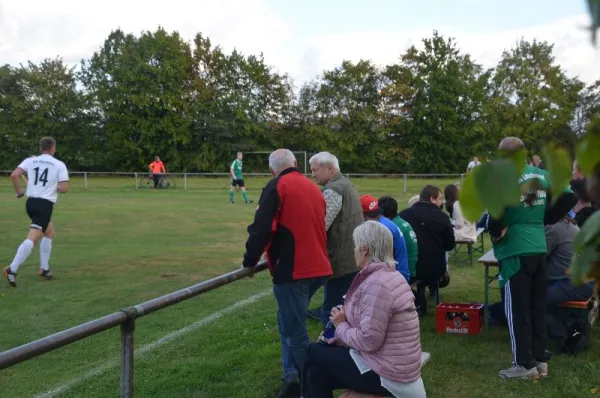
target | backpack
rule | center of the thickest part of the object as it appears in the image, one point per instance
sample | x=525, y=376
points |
x=570, y=330
x=578, y=334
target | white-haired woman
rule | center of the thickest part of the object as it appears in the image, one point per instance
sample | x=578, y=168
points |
x=377, y=347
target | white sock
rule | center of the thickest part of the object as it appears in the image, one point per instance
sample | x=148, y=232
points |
x=45, y=250
x=22, y=253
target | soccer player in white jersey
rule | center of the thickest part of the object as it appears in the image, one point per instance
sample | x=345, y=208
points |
x=47, y=176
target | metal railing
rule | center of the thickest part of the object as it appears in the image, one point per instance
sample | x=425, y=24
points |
x=141, y=175
x=126, y=318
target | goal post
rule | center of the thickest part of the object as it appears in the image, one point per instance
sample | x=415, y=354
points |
x=303, y=154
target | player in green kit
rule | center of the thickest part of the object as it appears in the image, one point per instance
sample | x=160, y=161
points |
x=237, y=178
x=520, y=246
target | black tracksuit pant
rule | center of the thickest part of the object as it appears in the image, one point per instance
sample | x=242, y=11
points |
x=525, y=307
x=156, y=178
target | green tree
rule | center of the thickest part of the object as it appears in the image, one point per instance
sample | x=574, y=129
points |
x=341, y=114
x=241, y=105
x=13, y=133
x=42, y=100
x=443, y=92
x=588, y=108
x=538, y=99
x=141, y=89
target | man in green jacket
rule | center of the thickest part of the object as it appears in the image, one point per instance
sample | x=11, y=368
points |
x=520, y=246
x=390, y=211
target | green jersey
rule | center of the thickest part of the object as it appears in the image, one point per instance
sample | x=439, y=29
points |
x=412, y=248
x=525, y=232
x=237, y=169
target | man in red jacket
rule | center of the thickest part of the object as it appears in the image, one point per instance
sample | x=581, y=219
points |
x=290, y=225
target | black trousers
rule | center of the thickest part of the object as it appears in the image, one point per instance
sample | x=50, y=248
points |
x=525, y=307
x=335, y=289
x=330, y=368
x=156, y=178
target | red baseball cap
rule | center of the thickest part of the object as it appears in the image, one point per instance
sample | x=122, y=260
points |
x=370, y=206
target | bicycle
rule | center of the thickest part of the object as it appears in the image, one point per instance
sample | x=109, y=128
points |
x=165, y=181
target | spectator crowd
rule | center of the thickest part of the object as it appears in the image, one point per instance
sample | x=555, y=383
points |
x=376, y=264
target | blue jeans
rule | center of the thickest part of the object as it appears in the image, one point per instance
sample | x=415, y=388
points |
x=292, y=303
x=563, y=290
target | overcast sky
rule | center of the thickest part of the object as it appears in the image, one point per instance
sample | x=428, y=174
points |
x=303, y=37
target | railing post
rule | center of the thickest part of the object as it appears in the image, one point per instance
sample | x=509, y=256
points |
x=136, y=181
x=404, y=183
x=185, y=182
x=305, y=165
x=127, y=330
x=85, y=180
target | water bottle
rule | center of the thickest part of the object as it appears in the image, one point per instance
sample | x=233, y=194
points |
x=328, y=333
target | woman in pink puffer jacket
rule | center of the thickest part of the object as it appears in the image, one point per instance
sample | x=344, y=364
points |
x=376, y=348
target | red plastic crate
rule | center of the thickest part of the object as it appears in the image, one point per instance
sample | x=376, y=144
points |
x=456, y=318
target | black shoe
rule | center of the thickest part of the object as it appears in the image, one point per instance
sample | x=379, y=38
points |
x=249, y=201
x=10, y=276
x=290, y=390
x=46, y=274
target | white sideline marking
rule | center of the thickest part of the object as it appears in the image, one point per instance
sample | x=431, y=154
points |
x=154, y=345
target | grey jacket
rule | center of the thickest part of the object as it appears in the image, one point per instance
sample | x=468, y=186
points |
x=559, y=239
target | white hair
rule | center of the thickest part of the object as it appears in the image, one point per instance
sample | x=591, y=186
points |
x=413, y=200
x=325, y=159
x=281, y=159
x=375, y=237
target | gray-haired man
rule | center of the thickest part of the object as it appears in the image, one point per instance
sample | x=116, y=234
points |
x=343, y=215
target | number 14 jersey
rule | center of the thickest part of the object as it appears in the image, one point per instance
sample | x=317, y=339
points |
x=44, y=173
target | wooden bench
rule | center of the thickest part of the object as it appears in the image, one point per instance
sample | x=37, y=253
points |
x=587, y=309
x=425, y=356
x=472, y=247
x=580, y=305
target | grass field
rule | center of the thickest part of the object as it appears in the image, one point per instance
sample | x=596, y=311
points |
x=116, y=247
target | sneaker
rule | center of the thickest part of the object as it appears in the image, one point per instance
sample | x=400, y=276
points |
x=593, y=315
x=10, y=276
x=519, y=372
x=290, y=389
x=542, y=368
x=425, y=357
x=45, y=274
x=231, y=202
x=249, y=201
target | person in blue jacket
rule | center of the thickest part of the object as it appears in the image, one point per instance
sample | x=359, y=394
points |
x=371, y=211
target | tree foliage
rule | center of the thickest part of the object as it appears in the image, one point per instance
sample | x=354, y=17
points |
x=194, y=105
